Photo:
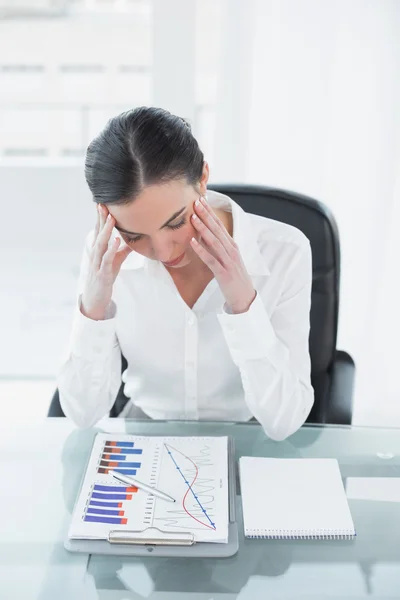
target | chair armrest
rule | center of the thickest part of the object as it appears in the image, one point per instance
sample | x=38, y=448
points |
x=55, y=409
x=121, y=399
x=340, y=406
x=119, y=403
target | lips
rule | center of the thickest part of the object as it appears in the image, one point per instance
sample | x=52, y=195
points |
x=174, y=262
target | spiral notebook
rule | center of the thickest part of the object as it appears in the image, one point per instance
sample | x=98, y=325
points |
x=287, y=498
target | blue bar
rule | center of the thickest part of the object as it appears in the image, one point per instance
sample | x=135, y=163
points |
x=126, y=471
x=120, y=444
x=132, y=465
x=111, y=520
x=105, y=504
x=100, y=511
x=109, y=496
x=113, y=456
x=109, y=488
x=109, y=450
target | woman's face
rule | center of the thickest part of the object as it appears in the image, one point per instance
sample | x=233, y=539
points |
x=157, y=224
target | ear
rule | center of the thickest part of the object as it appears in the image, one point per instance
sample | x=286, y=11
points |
x=204, y=178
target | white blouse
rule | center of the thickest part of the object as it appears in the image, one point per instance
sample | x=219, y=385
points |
x=201, y=363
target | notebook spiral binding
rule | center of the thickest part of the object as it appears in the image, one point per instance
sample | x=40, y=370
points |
x=299, y=534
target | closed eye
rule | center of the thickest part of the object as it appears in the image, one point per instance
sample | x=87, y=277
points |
x=136, y=238
x=177, y=225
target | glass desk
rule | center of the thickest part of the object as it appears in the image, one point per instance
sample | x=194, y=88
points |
x=41, y=467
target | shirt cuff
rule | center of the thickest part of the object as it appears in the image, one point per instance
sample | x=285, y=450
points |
x=249, y=335
x=93, y=340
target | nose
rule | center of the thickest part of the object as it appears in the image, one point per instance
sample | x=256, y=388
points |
x=162, y=251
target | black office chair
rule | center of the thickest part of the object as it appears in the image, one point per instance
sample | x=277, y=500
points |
x=332, y=370
x=55, y=409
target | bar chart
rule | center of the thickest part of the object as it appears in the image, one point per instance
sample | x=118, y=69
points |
x=120, y=456
x=107, y=504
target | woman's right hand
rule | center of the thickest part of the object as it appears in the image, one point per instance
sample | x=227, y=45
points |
x=104, y=265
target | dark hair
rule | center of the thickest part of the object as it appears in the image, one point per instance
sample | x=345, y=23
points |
x=141, y=147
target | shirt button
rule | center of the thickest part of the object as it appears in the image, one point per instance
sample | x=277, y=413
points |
x=191, y=320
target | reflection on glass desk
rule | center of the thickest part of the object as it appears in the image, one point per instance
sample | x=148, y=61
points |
x=42, y=463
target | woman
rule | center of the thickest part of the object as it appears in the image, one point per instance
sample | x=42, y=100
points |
x=208, y=304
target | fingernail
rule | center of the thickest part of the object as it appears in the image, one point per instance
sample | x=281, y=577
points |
x=198, y=203
x=99, y=208
x=195, y=217
x=109, y=217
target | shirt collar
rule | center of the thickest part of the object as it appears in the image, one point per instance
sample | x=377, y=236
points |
x=243, y=234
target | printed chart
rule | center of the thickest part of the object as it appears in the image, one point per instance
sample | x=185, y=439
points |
x=197, y=481
x=191, y=470
x=120, y=456
x=107, y=504
x=196, y=488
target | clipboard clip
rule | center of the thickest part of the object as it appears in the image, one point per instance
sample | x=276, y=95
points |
x=152, y=536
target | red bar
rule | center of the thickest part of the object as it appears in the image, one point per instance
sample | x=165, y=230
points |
x=111, y=443
x=121, y=513
x=119, y=504
x=113, y=450
x=124, y=521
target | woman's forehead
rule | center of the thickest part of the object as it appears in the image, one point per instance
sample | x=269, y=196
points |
x=153, y=207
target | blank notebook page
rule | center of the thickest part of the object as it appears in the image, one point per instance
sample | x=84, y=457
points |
x=294, y=498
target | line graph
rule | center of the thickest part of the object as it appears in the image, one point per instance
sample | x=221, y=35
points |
x=173, y=455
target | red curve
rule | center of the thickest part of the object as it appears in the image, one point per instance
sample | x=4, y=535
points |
x=189, y=489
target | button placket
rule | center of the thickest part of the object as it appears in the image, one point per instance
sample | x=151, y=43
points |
x=191, y=344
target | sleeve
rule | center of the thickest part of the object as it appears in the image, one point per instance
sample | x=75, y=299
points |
x=89, y=378
x=272, y=352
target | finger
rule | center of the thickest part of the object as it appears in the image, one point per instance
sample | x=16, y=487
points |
x=214, y=223
x=103, y=215
x=212, y=263
x=212, y=242
x=204, y=205
x=97, y=226
x=122, y=254
x=102, y=241
x=109, y=256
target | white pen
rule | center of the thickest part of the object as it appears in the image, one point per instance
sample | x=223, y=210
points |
x=143, y=486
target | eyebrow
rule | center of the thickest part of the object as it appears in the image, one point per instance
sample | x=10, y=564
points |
x=174, y=216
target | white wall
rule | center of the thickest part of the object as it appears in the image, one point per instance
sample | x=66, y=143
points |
x=46, y=212
x=61, y=79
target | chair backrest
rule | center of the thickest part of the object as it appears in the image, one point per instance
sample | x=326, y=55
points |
x=315, y=220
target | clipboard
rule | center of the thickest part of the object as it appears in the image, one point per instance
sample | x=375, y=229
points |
x=154, y=542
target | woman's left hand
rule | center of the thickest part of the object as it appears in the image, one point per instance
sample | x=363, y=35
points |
x=220, y=253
